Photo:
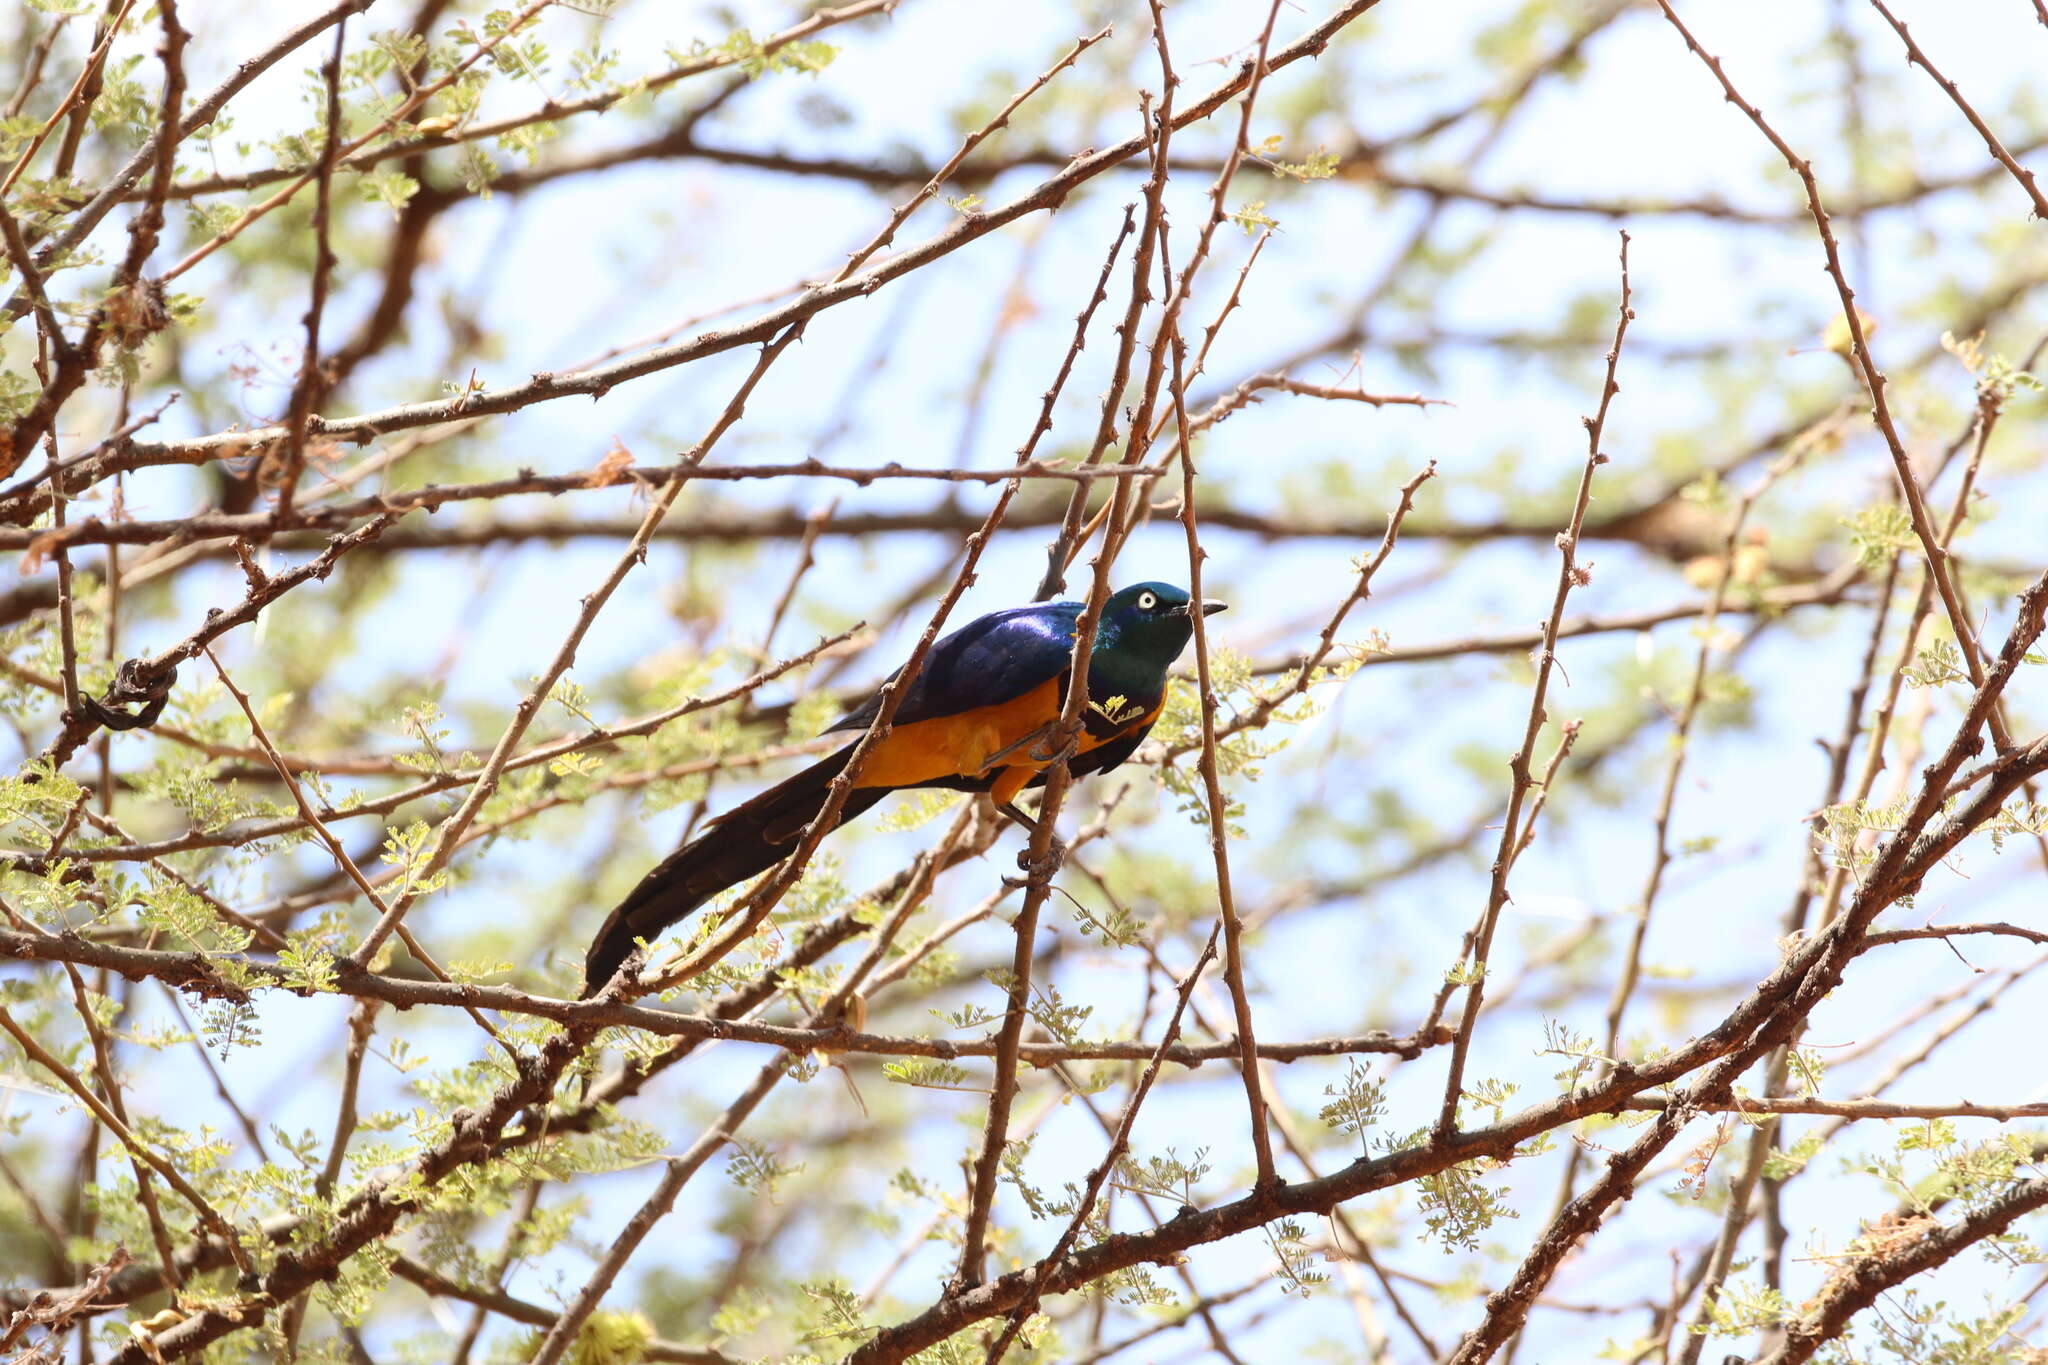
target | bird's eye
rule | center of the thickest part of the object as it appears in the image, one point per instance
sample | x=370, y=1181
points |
x=1147, y=601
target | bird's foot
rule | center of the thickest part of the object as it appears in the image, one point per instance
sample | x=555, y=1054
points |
x=1063, y=752
x=1039, y=869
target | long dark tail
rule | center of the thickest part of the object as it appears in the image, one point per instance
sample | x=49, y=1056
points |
x=744, y=842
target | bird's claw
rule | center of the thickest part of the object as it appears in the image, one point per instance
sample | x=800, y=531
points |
x=1039, y=869
x=1065, y=751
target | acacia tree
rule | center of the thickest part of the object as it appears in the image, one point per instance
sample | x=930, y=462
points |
x=1619, y=775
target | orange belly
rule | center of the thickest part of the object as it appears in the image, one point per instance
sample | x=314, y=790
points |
x=965, y=745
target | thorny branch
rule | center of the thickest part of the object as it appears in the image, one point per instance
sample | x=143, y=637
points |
x=770, y=977
x=1479, y=942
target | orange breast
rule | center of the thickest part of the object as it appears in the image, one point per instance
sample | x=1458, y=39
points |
x=963, y=744
x=958, y=745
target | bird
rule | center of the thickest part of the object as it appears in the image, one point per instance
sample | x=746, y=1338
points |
x=980, y=715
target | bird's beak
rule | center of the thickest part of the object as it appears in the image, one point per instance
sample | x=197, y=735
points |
x=1210, y=606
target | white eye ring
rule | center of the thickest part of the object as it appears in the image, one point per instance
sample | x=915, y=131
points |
x=1147, y=601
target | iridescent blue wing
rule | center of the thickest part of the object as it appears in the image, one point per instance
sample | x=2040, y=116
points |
x=991, y=660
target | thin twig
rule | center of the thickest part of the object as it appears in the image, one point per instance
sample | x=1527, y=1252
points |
x=340, y=855
x=311, y=384
x=1119, y=1144
x=1218, y=808
x=1866, y=367
x=1916, y=57
x=450, y=834
x=208, y=1215
x=1480, y=942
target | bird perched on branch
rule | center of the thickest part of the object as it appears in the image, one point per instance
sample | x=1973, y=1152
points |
x=981, y=715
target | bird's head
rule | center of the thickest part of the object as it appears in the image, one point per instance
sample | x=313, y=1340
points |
x=1151, y=621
